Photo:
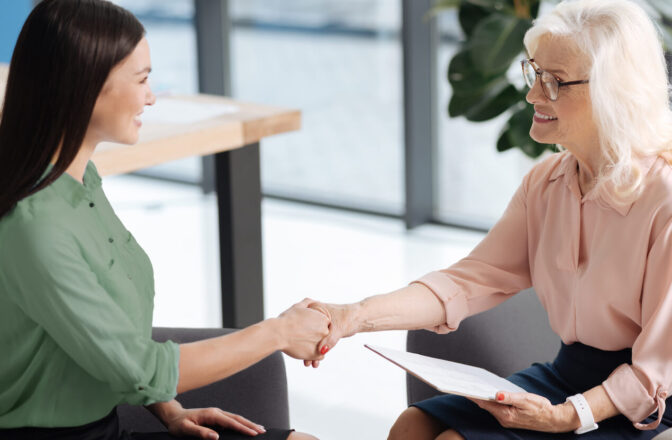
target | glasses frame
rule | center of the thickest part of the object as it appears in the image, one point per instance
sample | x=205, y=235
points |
x=539, y=71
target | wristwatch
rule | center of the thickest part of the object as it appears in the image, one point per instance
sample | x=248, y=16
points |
x=585, y=414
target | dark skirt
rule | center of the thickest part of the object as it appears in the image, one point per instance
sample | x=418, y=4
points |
x=107, y=428
x=577, y=368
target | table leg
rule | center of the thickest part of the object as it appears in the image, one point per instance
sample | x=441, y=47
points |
x=238, y=185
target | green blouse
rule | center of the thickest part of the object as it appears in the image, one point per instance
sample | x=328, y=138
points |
x=76, y=303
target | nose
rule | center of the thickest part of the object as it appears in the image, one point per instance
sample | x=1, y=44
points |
x=535, y=94
x=151, y=98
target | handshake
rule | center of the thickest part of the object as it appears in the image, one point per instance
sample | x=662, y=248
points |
x=309, y=329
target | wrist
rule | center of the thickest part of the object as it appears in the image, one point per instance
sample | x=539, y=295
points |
x=566, y=417
x=165, y=411
x=355, y=317
x=276, y=329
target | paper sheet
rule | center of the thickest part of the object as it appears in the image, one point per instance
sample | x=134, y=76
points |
x=448, y=377
x=178, y=111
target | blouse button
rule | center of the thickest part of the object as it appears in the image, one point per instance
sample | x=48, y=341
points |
x=111, y=240
x=92, y=204
x=662, y=394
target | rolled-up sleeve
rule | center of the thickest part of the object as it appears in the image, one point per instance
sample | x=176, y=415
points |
x=495, y=269
x=639, y=389
x=52, y=283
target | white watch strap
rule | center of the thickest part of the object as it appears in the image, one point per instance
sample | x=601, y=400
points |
x=585, y=414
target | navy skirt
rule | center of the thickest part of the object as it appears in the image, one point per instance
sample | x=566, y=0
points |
x=577, y=368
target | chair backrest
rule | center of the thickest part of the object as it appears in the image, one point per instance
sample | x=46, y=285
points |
x=503, y=340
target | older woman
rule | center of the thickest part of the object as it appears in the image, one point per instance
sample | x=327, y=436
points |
x=590, y=228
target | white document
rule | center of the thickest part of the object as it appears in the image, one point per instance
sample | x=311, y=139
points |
x=179, y=111
x=448, y=377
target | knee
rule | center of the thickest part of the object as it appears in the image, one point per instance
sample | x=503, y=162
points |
x=450, y=435
x=301, y=436
x=415, y=424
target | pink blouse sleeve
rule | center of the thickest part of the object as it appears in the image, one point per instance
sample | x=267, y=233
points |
x=639, y=389
x=495, y=269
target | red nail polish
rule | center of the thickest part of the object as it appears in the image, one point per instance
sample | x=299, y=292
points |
x=324, y=350
x=500, y=396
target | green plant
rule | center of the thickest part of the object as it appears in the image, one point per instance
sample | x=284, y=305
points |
x=493, y=31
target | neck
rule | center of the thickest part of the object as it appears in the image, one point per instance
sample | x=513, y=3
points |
x=78, y=166
x=590, y=163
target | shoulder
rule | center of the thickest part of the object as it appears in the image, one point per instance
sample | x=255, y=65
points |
x=35, y=227
x=548, y=169
x=656, y=196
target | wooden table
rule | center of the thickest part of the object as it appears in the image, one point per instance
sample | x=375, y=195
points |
x=234, y=140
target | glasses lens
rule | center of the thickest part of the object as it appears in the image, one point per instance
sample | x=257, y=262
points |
x=529, y=74
x=550, y=85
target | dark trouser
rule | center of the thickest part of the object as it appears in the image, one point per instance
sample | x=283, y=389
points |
x=107, y=428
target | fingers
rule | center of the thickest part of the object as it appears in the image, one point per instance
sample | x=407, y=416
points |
x=193, y=430
x=239, y=423
x=520, y=400
x=320, y=307
x=304, y=303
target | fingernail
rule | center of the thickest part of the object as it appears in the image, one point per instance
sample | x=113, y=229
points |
x=324, y=350
x=214, y=436
x=500, y=396
x=262, y=428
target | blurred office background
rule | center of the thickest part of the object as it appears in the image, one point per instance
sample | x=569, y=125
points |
x=337, y=220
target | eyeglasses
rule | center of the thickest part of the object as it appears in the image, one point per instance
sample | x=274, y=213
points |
x=550, y=84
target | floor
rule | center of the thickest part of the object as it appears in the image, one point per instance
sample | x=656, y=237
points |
x=325, y=254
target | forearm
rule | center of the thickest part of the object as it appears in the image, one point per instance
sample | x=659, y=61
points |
x=207, y=361
x=600, y=404
x=409, y=308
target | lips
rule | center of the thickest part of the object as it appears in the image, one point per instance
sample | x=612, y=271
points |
x=543, y=117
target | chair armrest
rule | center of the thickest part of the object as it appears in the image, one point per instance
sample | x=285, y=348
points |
x=258, y=393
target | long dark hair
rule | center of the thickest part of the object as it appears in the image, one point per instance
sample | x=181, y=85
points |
x=64, y=54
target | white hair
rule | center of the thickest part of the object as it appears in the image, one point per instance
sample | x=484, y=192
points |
x=628, y=82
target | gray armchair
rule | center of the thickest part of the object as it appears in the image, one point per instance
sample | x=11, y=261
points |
x=506, y=339
x=258, y=392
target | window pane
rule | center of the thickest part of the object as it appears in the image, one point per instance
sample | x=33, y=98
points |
x=475, y=182
x=339, y=62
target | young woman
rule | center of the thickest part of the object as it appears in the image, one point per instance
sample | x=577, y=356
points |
x=76, y=290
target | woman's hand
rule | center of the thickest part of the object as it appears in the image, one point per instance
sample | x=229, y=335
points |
x=192, y=422
x=530, y=411
x=342, y=325
x=302, y=329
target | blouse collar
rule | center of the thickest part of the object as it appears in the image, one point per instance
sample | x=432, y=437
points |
x=568, y=169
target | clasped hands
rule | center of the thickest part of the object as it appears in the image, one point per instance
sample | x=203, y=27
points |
x=311, y=328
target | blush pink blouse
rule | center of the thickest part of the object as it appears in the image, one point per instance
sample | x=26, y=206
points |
x=602, y=270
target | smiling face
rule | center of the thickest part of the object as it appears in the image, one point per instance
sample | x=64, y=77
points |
x=126, y=92
x=568, y=121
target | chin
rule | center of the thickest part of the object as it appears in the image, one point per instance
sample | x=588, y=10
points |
x=542, y=139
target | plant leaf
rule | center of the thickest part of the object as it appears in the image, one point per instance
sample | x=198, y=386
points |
x=485, y=104
x=464, y=78
x=469, y=16
x=496, y=41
